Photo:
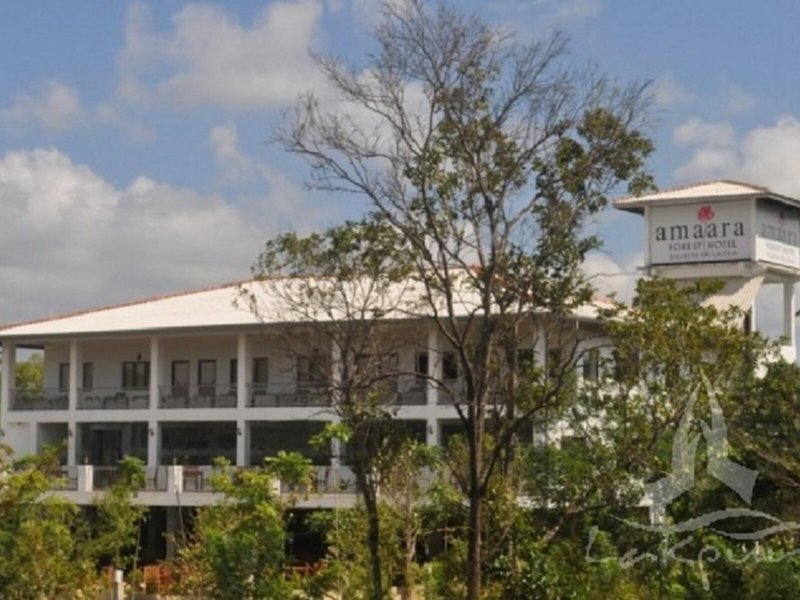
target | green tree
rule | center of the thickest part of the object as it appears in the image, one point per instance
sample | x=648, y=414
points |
x=30, y=374
x=342, y=283
x=670, y=355
x=486, y=157
x=238, y=549
x=119, y=517
x=39, y=533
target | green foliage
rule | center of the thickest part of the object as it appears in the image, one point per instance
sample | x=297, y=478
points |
x=238, y=548
x=39, y=543
x=119, y=516
x=29, y=374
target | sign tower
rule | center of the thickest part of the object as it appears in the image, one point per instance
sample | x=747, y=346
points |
x=743, y=234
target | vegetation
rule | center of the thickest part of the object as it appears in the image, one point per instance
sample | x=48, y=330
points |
x=483, y=162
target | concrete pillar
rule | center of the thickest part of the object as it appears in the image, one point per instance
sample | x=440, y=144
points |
x=74, y=374
x=85, y=477
x=336, y=376
x=243, y=370
x=432, y=432
x=788, y=313
x=241, y=443
x=434, y=368
x=153, y=435
x=7, y=384
x=174, y=479
x=155, y=371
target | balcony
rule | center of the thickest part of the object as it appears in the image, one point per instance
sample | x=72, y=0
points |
x=412, y=397
x=45, y=399
x=261, y=396
x=195, y=479
x=113, y=399
x=196, y=396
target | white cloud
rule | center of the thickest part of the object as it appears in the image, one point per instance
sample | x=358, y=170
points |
x=667, y=92
x=72, y=240
x=209, y=58
x=765, y=155
x=54, y=106
x=736, y=101
x=695, y=131
x=614, y=276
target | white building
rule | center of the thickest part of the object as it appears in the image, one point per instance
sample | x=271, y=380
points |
x=179, y=380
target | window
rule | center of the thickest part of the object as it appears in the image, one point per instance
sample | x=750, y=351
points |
x=88, y=375
x=421, y=365
x=626, y=366
x=524, y=359
x=449, y=366
x=63, y=377
x=260, y=372
x=180, y=373
x=135, y=374
x=207, y=376
x=554, y=363
x=591, y=364
x=311, y=370
x=233, y=372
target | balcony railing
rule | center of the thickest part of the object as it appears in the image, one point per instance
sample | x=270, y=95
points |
x=46, y=399
x=196, y=396
x=113, y=399
x=262, y=397
x=412, y=397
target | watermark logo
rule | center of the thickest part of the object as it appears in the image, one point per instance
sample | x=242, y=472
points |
x=658, y=495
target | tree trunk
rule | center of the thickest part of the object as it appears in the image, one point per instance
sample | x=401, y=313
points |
x=474, y=533
x=373, y=534
x=474, y=545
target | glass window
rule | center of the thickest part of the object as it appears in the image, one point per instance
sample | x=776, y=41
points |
x=449, y=366
x=421, y=364
x=233, y=372
x=63, y=377
x=260, y=372
x=136, y=374
x=207, y=372
x=591, y=363
x=88, y=375
x=312, y=370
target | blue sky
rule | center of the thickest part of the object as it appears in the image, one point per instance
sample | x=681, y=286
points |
x=134, y=156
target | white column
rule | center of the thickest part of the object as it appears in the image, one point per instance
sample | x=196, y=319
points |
x=7, y=384
x=155, y=372
x=75, y=383
x=788, y=313
x=85, y=477
x=74, y=374
x=434, y=367
x=432, y=433
x=241, y=443
x=336, y=375
x=153, y=433
x=243, y=368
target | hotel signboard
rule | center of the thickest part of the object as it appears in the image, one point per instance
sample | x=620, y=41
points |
x=778, y=234
x=725, y=231
x=700, y=233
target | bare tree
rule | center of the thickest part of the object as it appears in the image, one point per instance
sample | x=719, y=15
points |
x=340, y=289
x=486, y=158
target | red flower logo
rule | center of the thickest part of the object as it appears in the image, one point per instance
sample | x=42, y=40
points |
x=705, y=213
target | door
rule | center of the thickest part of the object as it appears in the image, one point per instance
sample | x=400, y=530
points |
x=180, y=379
x=207, y=378
x=106, y=447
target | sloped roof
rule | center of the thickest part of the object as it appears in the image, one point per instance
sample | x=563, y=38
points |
x=721, y=189
x=225, y=307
